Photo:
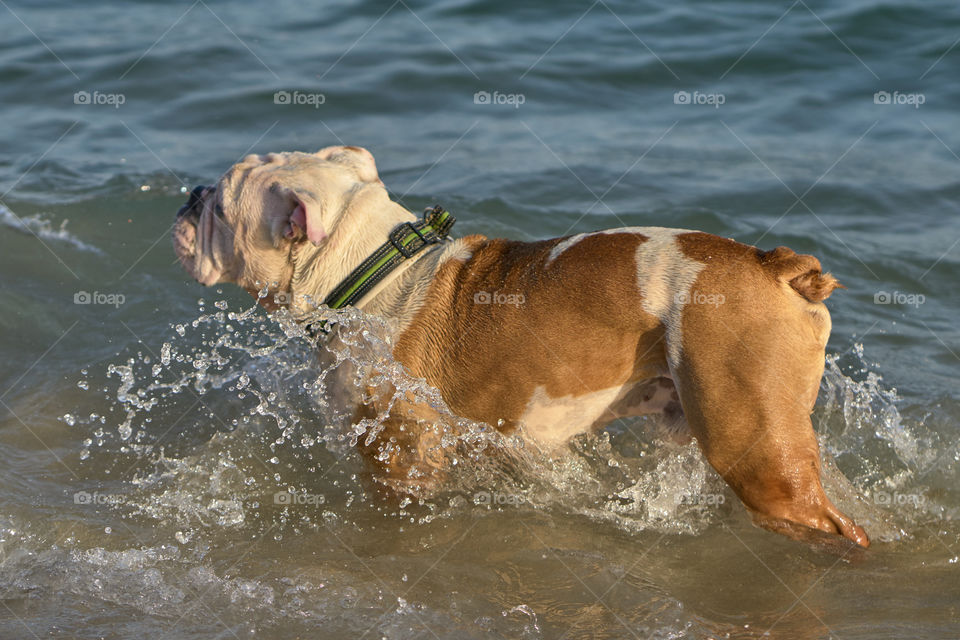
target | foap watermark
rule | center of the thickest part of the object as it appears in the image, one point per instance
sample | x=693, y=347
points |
x=498, y=297
x=495, y=498
x=512, y=99
x=288, y=499
x=896, y=97
x=899, y=298
x=697, y=297
x=99, y=98
x=96, y=498
x=703, y=499
x=299, y=98
x=709, y=99
x=85, y=297
x=885, y=498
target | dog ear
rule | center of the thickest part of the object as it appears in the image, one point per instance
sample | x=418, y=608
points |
x=357, y=157
x=305, y=217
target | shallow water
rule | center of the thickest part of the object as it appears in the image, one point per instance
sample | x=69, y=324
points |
x=174, y=464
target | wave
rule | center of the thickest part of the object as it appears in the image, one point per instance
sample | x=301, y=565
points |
x=43, y=229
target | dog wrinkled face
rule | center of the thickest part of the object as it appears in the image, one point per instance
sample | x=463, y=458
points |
x=265, y=211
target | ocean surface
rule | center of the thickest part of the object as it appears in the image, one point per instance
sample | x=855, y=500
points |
x=169, y=466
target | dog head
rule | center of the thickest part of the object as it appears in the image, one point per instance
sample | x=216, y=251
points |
x=269, y=212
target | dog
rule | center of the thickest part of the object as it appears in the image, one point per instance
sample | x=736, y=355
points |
x=550, y=338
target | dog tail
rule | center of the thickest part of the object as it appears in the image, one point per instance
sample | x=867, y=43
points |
x=801, y=271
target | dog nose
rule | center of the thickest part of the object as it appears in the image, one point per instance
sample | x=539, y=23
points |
x=193, y=200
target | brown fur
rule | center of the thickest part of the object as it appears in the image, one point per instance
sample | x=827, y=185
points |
x=747, y=380
x=487, y=359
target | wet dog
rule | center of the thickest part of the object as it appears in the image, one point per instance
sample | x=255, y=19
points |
x=550, y=338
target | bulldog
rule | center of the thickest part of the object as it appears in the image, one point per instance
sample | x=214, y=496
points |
x=547, y=339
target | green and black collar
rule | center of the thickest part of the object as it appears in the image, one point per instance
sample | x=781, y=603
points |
x=405, y=241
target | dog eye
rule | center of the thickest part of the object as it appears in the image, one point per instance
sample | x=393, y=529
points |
x=218, y=210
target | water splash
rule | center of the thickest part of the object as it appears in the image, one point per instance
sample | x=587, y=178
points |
x=875, y=460
x=869, y=412
x=239, y=407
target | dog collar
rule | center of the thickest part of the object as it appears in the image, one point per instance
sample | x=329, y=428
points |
x=405, y=241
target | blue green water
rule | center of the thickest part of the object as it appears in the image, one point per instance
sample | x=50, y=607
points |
x=827, y=127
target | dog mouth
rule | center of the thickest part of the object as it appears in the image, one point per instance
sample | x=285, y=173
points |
x=190, y=235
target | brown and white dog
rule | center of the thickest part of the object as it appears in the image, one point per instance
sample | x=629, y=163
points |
x=554, y=337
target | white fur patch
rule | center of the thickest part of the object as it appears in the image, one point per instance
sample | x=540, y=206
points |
x=551, y=422
x=665, y=277
x=458, y=250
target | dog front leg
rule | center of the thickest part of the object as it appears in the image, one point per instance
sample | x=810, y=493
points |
x=404, y=446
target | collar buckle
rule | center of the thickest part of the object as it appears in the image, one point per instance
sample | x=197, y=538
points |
x=397, y=235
